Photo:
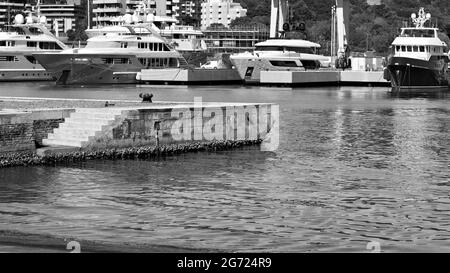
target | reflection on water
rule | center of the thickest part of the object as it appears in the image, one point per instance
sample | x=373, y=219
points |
x=354, y=165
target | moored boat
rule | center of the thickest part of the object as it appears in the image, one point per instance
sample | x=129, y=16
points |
x=113, y=58
x=278, y=55
x=27, y=36
x=420, y=59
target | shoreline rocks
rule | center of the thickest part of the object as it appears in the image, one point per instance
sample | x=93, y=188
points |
x=132, y=153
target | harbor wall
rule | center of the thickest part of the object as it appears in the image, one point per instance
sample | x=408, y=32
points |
x=173, y=125
x=16, y=132
x=189, y=76
x=23, y=131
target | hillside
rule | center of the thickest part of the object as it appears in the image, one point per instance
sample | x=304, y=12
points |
x=372, y=27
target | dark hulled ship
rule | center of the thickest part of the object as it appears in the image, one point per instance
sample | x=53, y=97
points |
x=420, y=60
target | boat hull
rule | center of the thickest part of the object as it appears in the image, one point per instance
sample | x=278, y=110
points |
x=413, y=74
x=80, y=69
x=249, y=69
x=7, y=75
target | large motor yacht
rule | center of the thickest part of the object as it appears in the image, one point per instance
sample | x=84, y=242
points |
x=113, y=57
x=420, y=59
x=185, y=39
x=278, y=55
x=27, y=36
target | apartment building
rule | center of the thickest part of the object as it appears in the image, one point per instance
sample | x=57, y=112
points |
x=220, y=12
x=8, y=9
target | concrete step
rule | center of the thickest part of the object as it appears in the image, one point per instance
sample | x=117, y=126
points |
x=114, y=111
x=82, y=126
x=68, y=137
x=75, y=131
x=61, y=142
x=89, y=119
x=64, y=135
x=94, y=115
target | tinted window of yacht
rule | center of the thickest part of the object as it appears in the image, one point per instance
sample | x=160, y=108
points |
x=116, y=60
x=306, y=50
x=403, y=48
x=31, y=44
x=158, y=62
x=284, y=63
x=421, y=48
x=49, y=45
x=7, y=43
x=31, y=59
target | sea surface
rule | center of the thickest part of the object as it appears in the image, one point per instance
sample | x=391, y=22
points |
x=355, y=165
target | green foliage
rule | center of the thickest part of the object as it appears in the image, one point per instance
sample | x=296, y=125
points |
x=371, y=27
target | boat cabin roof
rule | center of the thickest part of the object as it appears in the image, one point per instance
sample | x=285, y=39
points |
x=288, y=43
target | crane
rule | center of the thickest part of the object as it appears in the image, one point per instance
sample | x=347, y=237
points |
x=279, y=17
x=340, y=32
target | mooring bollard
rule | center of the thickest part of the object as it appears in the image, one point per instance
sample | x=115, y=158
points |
x=146, y=97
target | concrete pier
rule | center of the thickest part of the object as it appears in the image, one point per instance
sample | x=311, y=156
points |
x=135, y=124
x=189, y=76
x=323, y=77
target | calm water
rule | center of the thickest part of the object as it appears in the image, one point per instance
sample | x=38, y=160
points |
x=354, y=165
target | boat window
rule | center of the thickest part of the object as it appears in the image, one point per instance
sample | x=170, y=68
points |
x=307, y=50
x=421, y=48
x=403, y=48
x=8, y=59
x=158, y=62
x=116, y=60
x=409, y=48
x=397, y=48
x=49, y=45
x=284, y=63
x=123, y=45
x=8, y=43
x=31, y=44
x=415, y=48
x=31, y=59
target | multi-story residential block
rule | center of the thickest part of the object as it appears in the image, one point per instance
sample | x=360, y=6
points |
x=63, y=15
x=8, y=9
x=108, y=12
x=188, y=12
x=220, y=12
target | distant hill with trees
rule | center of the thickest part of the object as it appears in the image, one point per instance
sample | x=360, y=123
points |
x=372, y=27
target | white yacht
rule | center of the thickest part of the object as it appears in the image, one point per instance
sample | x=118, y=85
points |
x=278, y=55
x=184, y=39
x=113, y=57
x=27, y=36
x=420, y=59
